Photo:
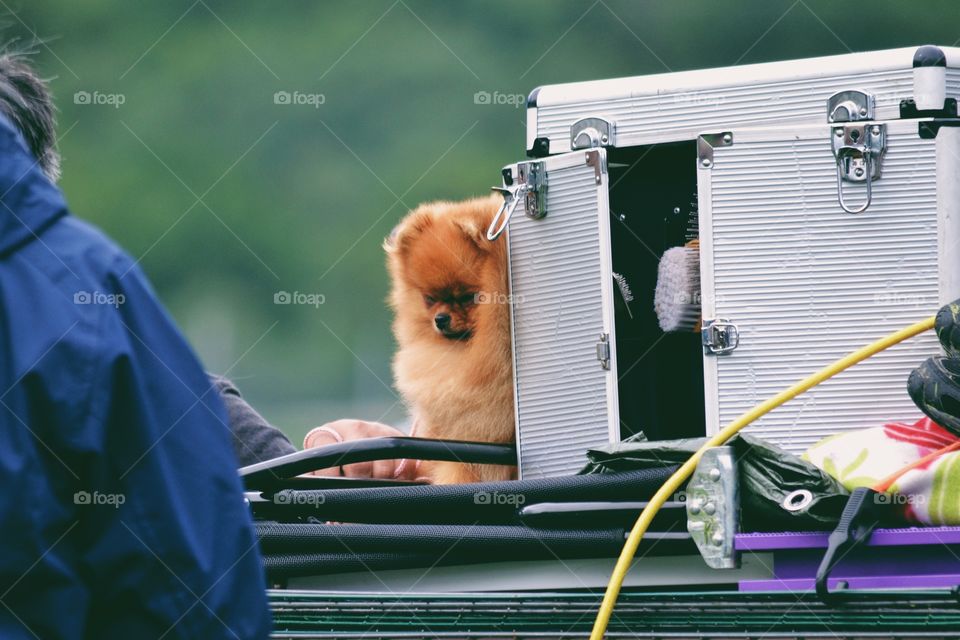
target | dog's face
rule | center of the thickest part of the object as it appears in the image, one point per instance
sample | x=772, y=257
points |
x=444, y=270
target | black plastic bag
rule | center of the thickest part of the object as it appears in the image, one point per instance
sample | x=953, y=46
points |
x=768, y=474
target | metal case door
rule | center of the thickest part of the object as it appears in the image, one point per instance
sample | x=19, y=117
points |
x=806, y=282
x=562, y=314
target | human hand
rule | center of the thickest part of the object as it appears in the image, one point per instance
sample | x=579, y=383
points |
x=347, y=430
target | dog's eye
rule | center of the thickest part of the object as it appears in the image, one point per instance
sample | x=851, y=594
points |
x=467, y=298
x=429, y=300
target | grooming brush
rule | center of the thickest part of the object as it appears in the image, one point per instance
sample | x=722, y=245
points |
x=625, y=292
x=677, y=297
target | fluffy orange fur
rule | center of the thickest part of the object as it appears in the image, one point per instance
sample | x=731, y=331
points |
x=452, y=324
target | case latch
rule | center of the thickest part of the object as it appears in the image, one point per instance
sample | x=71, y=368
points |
x=719, y=336
x=592, y=132
x=528, y=184
x=850, y=106
x=858, y=149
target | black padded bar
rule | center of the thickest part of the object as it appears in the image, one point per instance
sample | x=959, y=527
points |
x=369, y=449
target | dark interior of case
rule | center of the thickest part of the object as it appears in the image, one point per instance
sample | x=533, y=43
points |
x=653, y=205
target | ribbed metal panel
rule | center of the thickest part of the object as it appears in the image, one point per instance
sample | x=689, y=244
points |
x=557, y=320
x=682, y=115
x=807, y=283
x=953, y=82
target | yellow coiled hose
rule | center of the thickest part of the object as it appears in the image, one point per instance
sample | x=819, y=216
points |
x=673, y=484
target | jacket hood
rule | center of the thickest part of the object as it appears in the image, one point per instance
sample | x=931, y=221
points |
x=29, y=202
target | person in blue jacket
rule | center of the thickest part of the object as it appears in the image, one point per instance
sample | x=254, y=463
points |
x=121, y=512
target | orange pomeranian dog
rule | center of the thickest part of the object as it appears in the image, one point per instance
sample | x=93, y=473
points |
x=452, y=325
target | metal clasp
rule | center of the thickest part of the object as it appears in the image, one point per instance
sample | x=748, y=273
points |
x=858, y=150
x=588, y=133
x=528, y=186
x=719, y=337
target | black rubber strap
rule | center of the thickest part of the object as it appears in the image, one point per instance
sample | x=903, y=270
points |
x=864, y=511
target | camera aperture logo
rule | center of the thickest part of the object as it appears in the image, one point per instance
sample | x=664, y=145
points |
x=97, y=499
x=497, y=98
x=299, y=98
x=299, y=498
x=498, y=498
x=96, y=98
x=98, y=297
x=298, y=297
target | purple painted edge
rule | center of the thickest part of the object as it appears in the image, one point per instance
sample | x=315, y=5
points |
x=879, y=582
x=818, y=539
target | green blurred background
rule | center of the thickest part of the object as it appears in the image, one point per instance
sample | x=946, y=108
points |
x=229, y=193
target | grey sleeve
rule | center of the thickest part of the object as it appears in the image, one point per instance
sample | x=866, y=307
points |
x=254, y=439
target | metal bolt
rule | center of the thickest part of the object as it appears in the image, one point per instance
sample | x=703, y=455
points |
x=710, y=508
x=838, y=132
x=858, y=172
x=676, y=210
x=622, y=217
x=714, y=474
x=706, y=162
x=727, y=138
x=717, y=539
x=875, y=130
x=863, y=111
x=604, y=137
x=695, y=507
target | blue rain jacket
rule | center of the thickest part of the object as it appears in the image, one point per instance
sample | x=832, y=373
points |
x=121, y=512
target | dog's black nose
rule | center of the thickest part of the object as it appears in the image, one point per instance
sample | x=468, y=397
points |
x=442, y=320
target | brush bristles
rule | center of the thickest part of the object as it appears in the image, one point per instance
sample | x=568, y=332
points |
x=677, y=298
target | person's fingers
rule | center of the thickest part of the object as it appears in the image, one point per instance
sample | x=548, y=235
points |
x=332, y=472
x=358, y=470
x=322, y=436
x=346, y=430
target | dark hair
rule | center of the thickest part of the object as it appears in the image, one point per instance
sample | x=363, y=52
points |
x=26, y=100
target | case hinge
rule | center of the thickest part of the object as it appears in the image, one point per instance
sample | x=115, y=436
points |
x=719, y=336
x=603, y=350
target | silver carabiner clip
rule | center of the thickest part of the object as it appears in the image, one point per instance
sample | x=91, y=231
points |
x=867, y=169
x=511, y=199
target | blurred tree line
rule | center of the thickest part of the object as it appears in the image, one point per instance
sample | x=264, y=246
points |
x=253, y=148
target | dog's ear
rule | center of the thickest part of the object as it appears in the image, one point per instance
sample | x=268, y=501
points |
x=474, y=229
x=390, y=242
x=478, y=218
x=404, y=233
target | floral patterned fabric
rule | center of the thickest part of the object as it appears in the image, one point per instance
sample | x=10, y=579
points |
x=929, y=494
